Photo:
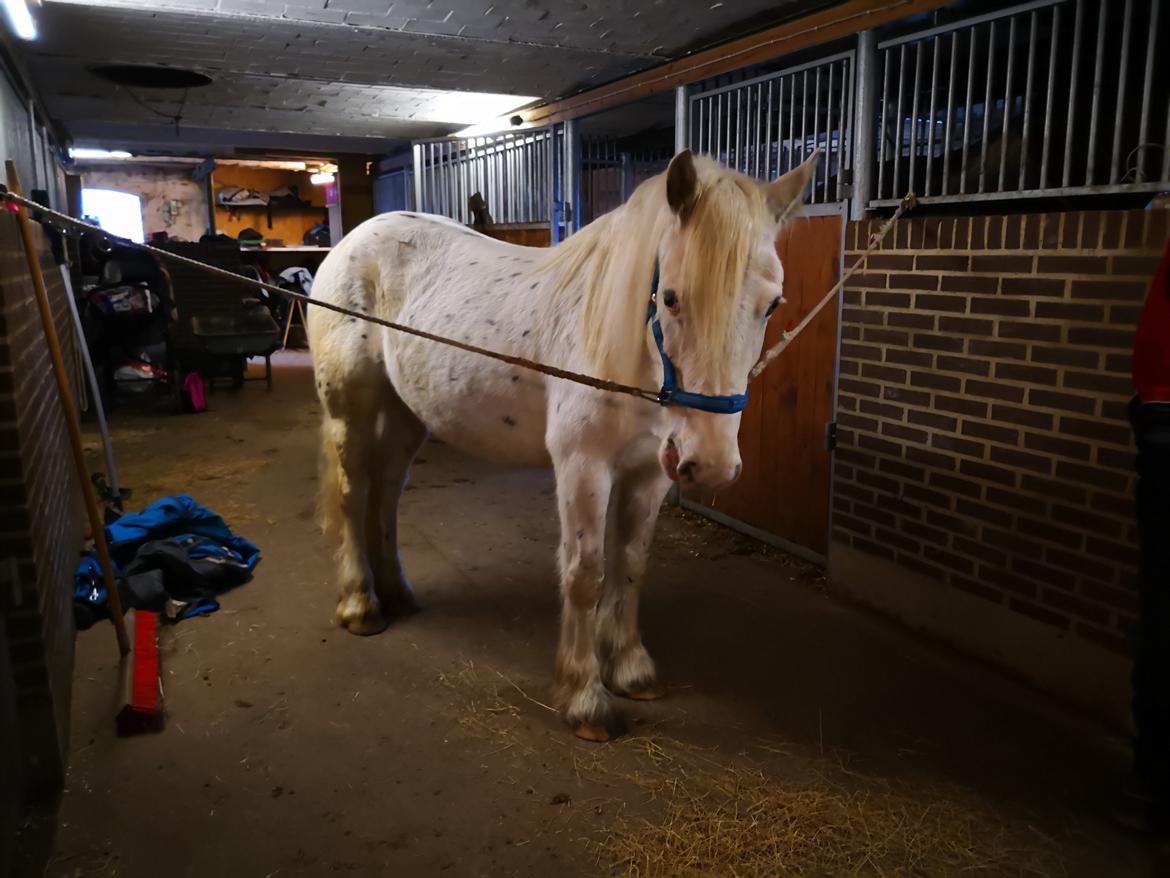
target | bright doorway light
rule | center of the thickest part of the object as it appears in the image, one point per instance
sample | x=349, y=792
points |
x=20, y=19
x=321, y=178
x=119, y=213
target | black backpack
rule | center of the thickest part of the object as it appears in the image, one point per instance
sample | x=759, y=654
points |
x=318, y=236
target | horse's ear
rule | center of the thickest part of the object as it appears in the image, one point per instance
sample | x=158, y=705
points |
x=682, y=184
x=786, y=194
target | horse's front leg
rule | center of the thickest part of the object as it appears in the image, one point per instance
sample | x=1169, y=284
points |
x=626, y=667
x=583, y=488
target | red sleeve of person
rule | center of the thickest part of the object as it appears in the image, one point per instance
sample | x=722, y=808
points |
x=1151, y=347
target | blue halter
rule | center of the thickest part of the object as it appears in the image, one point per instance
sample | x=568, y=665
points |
x=670, y=394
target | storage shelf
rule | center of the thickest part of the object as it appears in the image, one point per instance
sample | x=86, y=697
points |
x=291, y=208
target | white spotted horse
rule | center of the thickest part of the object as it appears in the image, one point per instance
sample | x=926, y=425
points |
x=673, y=290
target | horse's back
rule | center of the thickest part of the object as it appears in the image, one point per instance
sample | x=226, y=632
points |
x=438, y=276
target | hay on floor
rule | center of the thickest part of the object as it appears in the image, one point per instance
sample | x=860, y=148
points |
x=701, y=812
x=730, y=819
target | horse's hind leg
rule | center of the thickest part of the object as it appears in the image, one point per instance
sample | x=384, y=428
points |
x=400, y=434
x=349, y=443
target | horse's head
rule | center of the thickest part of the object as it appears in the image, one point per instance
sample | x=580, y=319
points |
x=719, y=281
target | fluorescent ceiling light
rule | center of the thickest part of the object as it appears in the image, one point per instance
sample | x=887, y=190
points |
x=86, y=153
x=493, y=126
x=20, y=19
x=468, y=107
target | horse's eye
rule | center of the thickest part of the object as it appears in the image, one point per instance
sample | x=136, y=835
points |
x=670, y=299
x=775, y=304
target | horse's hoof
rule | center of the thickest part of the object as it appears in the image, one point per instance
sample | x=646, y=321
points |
x=592, y=733
x=652, y=692
x=600, y=727
x=365, y=626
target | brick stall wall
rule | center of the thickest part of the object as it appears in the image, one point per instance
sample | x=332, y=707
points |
x=40, y=524
x=983, y=442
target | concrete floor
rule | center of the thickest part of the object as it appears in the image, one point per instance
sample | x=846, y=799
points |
x=293, y=748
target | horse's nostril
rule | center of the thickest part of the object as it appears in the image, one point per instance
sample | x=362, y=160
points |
x=687, y=468
x=736, y=472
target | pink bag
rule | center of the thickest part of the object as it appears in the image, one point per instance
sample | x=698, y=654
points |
x=193, y=398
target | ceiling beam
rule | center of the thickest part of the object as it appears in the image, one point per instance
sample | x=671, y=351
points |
x=810, y=30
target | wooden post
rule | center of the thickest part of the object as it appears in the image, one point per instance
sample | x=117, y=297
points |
x=69, y=409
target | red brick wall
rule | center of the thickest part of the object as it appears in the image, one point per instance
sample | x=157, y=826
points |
x=40, y=526
x=982, y=434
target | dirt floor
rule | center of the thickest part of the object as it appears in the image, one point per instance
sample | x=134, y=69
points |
x=800, y=736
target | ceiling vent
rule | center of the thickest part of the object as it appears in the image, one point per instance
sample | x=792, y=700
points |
x=145, y=76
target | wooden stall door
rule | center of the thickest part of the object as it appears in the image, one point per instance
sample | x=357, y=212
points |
x=784, y=489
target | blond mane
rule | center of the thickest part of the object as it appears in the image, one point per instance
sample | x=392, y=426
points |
x=614, y=258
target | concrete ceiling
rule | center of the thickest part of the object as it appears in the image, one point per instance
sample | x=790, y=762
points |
x=351, y=75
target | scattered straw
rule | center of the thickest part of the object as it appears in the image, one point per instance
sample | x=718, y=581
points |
x=483, y=710
x=696, y=811
x=732, y=819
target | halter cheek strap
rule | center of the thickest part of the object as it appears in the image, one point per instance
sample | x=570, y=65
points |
x=670, y=394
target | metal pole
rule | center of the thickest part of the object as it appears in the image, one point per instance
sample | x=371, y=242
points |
x=756, y=139
x=829, y=151
x=418, y=177
x=1033, y=26
x=862, y=133
x=553, y=183
x=1049, y=107
x=91, y=377
x=32, y=142
x=987, y=106
x=931, y=123
x=1147, y=91
x=899, y=120
x=963, y=168
x=915, y=128
x=1115, y=165
x=1098, y=82
x=943, y=188
x=1074, y=75
x=680, y=119
x=768, y=137
x=572, y=175
x=1007, y=104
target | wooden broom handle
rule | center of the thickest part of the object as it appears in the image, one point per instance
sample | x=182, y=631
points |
x=69, y=410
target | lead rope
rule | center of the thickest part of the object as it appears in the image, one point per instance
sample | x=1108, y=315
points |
x=12, y=200
x=907, y=203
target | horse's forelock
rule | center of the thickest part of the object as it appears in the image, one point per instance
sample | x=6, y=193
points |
x=721, y=233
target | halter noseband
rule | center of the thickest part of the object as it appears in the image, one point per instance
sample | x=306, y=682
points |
x=670, y=394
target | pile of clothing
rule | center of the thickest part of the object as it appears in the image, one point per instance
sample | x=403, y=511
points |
x=174, y=557
x=239, y=196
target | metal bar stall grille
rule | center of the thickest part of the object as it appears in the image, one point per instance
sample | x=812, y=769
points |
x=766, y=125
x=510, y=171
x=1045, y=98
x=612, y=170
